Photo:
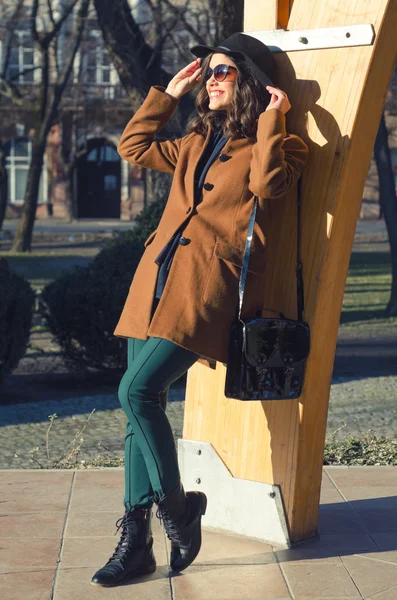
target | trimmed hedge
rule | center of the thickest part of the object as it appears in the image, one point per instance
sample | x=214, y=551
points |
x=148, y=219
x=82, y=306
x=16, y=313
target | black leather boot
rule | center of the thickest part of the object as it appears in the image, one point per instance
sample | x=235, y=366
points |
x=134, y=553
x=181, y=515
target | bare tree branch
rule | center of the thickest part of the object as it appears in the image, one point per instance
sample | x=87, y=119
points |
x=33, y=17
x=61, y=83
x=127, y=46
x=18, y=75
x=233, y=10
x=388, y=202
x=167, y=30
x=10, y=27
x=45, y=83
x=52, y=19
x=44, y=120
x=51, y=12
x=47, y=39
x=137, y=64
x=163, y=28
x=181, y=11
x=10, y=91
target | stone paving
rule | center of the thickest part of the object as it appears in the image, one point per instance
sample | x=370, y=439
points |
x=57, y=528
x=24, y=427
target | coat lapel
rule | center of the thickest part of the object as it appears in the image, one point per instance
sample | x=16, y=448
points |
x=201, y=145
x=232, y=145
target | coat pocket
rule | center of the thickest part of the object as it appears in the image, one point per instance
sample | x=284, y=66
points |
x=221, y=286
x=150, y=238
x=234, y=255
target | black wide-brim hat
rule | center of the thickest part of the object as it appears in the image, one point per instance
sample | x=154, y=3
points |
x=255, y=55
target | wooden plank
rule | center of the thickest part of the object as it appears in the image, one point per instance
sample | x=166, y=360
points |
x=337, y=97
x=365, y=76
x=256, y=18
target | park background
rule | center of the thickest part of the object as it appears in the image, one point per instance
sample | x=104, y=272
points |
x=67, y=200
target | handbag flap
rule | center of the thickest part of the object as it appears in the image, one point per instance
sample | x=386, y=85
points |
x=276, y=342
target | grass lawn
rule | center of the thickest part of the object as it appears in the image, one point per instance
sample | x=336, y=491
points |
x=41, y=269
x=49, y=262
x=367, y=293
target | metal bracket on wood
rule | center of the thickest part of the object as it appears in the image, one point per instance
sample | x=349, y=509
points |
x=280, y=40
x=240, y=506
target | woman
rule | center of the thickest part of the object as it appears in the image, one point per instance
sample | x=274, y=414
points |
x=184, y=293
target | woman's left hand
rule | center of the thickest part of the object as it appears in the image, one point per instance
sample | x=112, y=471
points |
x=278, y=100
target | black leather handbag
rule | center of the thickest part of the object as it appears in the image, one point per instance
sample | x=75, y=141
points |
x=267, y=356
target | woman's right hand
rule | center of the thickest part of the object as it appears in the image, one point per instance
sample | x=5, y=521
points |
x=185, y=80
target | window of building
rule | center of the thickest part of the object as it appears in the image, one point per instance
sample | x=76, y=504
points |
x=97, y=67
x=19, y=155
x=103, y=154
x=22, y=60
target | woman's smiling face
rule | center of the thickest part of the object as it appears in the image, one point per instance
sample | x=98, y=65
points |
x=221, y=93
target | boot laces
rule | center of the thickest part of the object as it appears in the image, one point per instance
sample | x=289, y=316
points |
x=170, y=526
x=128, y=536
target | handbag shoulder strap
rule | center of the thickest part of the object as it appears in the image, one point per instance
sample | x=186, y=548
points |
x=299, y=274
x=247, y=251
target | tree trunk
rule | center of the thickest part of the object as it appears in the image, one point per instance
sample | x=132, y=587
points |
x=47, y=114
x=23, y=236
x=229, y=18
x=70, y=208
x=137, y=63
x=388, y=202
x=139, y=67
x=3, y=185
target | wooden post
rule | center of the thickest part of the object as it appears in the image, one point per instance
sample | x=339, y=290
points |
x=337, y=97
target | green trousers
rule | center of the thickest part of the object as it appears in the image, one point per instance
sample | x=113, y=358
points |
x=151, y=463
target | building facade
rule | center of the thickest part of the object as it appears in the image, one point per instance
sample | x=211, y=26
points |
x=83, y=176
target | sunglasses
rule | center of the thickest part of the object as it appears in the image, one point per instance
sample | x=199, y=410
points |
x=221, y=73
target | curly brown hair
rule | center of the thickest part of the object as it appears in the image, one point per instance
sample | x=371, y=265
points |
x=250, y=99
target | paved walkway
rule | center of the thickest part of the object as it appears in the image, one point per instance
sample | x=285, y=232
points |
x=92, y=225
x=78, y=226
x=57, y=528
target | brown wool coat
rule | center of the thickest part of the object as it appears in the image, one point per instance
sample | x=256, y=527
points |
x=200, y=297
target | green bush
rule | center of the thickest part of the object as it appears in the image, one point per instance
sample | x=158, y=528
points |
x=82, y=307
x=120, y=256
x=149, y=218
x=16, y=312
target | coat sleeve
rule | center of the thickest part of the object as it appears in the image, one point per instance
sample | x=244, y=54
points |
x=137, y=143
x=278, y=158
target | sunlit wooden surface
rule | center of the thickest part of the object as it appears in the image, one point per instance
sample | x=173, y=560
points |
x=337, y=97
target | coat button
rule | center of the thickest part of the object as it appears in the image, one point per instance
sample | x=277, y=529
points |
x=208, y=186
x=224, y=157
x=188, y=210
x=184, y=241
